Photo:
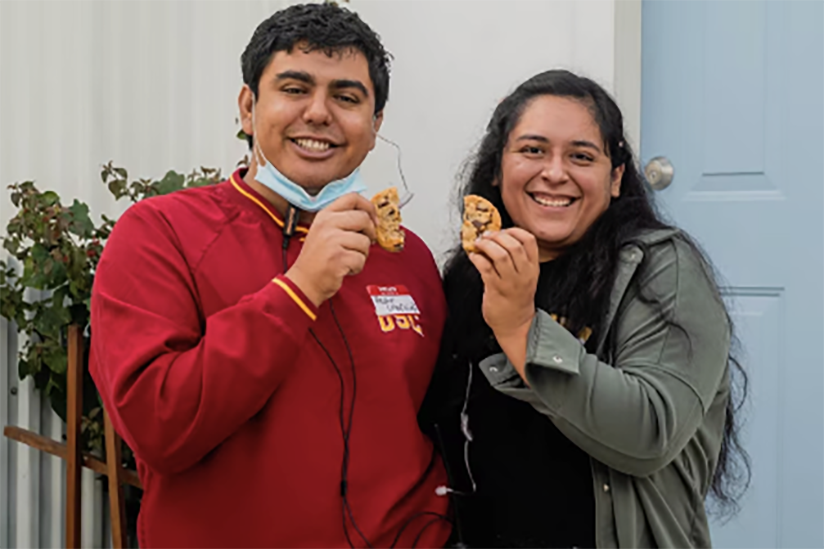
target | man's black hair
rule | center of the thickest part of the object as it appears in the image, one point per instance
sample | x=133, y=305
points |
x=316, y=27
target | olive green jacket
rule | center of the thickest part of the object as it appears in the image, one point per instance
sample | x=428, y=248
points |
x=652, y=417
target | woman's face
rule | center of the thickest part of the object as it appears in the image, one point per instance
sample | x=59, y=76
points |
x=556, y=177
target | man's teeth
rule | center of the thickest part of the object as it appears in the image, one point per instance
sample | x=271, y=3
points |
x=555, y=203
x=312, y=145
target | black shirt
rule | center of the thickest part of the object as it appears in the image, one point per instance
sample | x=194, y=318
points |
x=534, y=486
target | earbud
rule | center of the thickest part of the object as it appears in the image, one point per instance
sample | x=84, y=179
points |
x=442, y=490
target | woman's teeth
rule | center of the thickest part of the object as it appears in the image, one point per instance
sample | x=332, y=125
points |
x=553, y=202
x=312, y=145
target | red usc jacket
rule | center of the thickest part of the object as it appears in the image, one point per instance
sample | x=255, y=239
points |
x=227, y=382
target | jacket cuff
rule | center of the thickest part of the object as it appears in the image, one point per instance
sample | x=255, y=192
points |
x=503, y=377
x=295, y=293
x=553, y=355
x=550, y=345
x=551, y=350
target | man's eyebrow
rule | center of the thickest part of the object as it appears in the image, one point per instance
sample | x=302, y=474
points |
x=296, y=75
x=357, y=84
x=307, y=78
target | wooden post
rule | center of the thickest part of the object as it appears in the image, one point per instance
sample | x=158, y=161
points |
x=74, y=412
x=76, y=460
x=114, y=467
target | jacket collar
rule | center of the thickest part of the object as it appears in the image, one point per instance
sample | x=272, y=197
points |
x=630, y=256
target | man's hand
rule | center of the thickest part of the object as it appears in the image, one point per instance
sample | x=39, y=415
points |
x=508, y=263
x=337, y=246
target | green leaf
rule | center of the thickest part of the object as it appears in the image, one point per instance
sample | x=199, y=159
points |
x=51, y=386
x=34, y=267
x=12, y=245
x=118, y=188
x=50, y=198
x=81, y=224
x=30, y=363
x=55, y=277
x=41, y=378
x=121, y=172
x=56, y=360
x=57, y=400
x=171, y=182
x=32, y=275
x=51, y=320
x=59, y=296
x=78, y=266
x=39, y=253
x=241, y=135
x=200, y=182
x=23, y=369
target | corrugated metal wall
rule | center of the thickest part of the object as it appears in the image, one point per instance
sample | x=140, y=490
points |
x=150, y=85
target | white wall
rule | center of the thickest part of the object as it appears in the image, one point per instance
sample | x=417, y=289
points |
x=150, y=85
x=153, y=86
x=454, y=60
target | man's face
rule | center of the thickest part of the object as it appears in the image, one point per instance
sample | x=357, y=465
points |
x=313, y=118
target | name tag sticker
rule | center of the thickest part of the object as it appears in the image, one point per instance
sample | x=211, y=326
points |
x=392, y=300
x=395, y=308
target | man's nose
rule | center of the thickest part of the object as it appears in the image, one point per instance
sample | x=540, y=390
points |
x=317, y=111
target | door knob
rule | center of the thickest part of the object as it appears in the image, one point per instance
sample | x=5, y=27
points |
x=659, y=173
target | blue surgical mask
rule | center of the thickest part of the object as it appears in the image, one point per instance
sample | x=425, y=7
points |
x=296, y=195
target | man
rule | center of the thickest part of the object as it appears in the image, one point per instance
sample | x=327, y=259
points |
x=264, y=360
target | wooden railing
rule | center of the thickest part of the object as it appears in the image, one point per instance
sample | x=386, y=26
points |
x=69, y=451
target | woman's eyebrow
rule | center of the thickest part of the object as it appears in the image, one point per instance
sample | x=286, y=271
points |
x=533, y=137
x=576, y=143
x=587, y=144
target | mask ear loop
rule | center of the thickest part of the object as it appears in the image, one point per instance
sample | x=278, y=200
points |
x=408, y=194
x=257, y=152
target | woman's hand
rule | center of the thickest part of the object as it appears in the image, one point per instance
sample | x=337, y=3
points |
x=508, y=263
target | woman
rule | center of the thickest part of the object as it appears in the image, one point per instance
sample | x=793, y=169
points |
x=584, y=394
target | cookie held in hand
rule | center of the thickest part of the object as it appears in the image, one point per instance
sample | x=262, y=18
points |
x=479, y=216
x=390, y=234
